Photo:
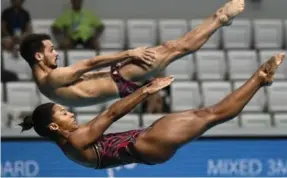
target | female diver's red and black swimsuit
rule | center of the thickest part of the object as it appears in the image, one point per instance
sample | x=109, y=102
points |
x=117, y=149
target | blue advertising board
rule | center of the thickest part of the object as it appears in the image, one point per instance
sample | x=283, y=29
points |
x=247, y=158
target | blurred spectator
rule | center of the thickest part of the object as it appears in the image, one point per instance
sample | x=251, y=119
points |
x=16, y=24
x=158, y=102
x=77, y=26
x=8, y=76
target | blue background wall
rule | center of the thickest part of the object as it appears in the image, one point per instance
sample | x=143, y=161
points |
x=200, y=158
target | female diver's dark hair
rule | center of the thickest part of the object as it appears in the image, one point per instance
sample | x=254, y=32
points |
x=40, y=120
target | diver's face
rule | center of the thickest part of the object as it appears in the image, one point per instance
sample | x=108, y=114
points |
x=50, y=55
x=64, y=119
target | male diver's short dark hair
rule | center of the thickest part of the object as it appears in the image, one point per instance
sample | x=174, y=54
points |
x=40, y=120
x=32, y=44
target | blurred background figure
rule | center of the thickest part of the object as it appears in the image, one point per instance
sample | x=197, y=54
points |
x=16, y=24
x=8, y=76
x=156, y=103
x=77, y=26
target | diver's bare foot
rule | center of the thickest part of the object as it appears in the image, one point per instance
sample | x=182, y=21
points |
x=230, y=10
x=267, y=70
